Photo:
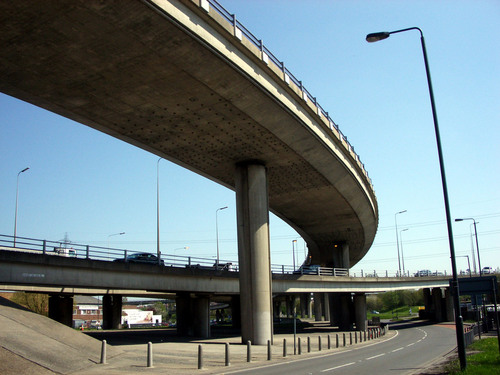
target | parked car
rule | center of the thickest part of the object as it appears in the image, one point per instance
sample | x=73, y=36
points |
x=312, y=269
x=423, y=273
x=141, y=258
x=487, y=270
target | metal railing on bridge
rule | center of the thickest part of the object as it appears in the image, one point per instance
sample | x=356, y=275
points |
x=100, y=253
x=268, y=57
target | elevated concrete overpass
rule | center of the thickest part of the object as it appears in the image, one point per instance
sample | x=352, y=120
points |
x=185, y=81
x=193, y=289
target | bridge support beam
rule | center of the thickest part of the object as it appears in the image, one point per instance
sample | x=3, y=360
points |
x=305, y=305
x=61, y=308
x=360, y=312
x=427, y=303
x=193, y=317
x=111, y=311
x=344, y=311
x=318, y=306
x=253, y=253
x=449, y=315
x=437, y=297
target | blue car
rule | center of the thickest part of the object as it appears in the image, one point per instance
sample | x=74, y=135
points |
x=141, y=258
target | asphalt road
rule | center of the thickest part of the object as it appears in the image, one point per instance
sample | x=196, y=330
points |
x=407, y=352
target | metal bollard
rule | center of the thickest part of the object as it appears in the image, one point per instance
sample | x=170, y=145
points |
x=150, y=354
x=299, y=345
x=350, y=338
x=308, y=344
x=355, y=337
x=365, y=335
x=284, y=347
x=269, y=353
x=200, y=357
x=103, y=352
x=227, y=354
x=319, y=343
x=337, y=340
x=344, y=339
x=249, y=351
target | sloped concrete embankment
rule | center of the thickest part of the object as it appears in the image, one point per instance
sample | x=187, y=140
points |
x=34, y=344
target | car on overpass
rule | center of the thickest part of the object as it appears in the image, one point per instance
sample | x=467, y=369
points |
x=141, y=258
x=423, y=273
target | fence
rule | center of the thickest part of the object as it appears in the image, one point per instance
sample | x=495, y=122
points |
x=74, y=250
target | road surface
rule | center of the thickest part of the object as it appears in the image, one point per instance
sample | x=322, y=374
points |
x=407, y=352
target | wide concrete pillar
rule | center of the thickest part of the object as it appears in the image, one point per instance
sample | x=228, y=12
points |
x=360, y=312
x=290, y=302
x=254, y=253
x=427, y=303
x=201, y=316
x=326, y=306
x=437, y=297
x=111, y=311
x=61, y=308
x=318, y=306
x=184, y=316
x=236, y=311
x=345, y=255
x=304, y=305
x=449, y=315
x=344, y=311
x=334, y=309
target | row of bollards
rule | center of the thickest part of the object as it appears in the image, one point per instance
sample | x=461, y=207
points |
x=370, y=334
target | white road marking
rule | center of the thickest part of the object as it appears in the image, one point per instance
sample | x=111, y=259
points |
x=397, y=350
x=334, y=368
x=375, y=356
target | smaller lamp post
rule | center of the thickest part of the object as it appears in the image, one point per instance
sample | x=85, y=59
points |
x=477, y=244
x=17, y=196
x=217, y=235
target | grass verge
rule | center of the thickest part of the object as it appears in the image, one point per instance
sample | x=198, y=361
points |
x=483, y=358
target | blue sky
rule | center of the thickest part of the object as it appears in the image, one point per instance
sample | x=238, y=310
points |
x=91, y=186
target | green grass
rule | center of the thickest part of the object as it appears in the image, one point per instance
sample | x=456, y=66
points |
x=486, y=362
x=399, y=313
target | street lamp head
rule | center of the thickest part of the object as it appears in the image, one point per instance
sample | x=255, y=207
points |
x=24, y=170
x=375, y=37
x=459, y=219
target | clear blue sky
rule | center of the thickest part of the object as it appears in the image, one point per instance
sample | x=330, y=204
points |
x=91, y=186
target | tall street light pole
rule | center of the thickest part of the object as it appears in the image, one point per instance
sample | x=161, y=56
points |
x=293, y=253
x=17, y=196
x=374, y=37
x=402, y=256
x=477, y=243
x=217, y=235
x=158, y=252
x=397, y=239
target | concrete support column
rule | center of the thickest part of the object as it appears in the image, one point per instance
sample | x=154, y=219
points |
x=326, y=306
x=360, y=312
x=290, y=301
x=201, y=316
x=334, y=309
x=345, y=255
x=111, y=311
x=236, y=311
x=253, y=253
x=344, y=310
x=427, y=303
x=449, y=315
x=318, y=306
x=437, y=297
x=183, y=313
x=61, y=308
x=276, y=308
x=304, y=303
